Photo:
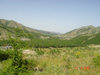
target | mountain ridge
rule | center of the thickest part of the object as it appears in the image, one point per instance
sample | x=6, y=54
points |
x=85, y=30
x=16, y=29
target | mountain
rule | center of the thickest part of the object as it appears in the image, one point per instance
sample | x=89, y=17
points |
x=83, y=31
x=82, y=35
x=14, y=29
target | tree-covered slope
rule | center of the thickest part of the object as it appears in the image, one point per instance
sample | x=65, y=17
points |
x=94, y=40
x=86, y=40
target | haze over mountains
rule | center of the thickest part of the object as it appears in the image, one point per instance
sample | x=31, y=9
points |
x=13, y=29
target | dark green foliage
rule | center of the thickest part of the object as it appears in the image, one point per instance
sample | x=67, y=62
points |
x=94, y=40
x=29, y=64
x=40, y=43
x=17, y=59
x=19, y=65
x=15, y=67
x=79, y=40
x=4, y=55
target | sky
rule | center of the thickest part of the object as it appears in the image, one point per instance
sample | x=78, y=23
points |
x=52, y=15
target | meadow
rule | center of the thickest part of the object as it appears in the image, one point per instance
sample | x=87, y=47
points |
x=51, y=61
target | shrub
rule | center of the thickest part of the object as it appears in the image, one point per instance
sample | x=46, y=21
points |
x=29, y=64
x=4, y=55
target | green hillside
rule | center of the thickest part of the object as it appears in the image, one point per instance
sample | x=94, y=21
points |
x=86, y=40
x=94, y=40
x=85, y=30
x=14, y=29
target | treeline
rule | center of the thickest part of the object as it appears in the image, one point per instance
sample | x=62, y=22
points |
x=40, y=43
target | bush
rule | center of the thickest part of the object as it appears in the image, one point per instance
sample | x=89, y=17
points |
x=29, y=64
x=4, y=55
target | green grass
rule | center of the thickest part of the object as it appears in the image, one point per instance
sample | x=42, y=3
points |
x=57, y=61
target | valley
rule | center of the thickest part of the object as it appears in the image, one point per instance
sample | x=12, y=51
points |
x=27, y=51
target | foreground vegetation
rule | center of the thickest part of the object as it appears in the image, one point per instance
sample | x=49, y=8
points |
x=51, y=61
x=37, y=52
x=49, y=57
